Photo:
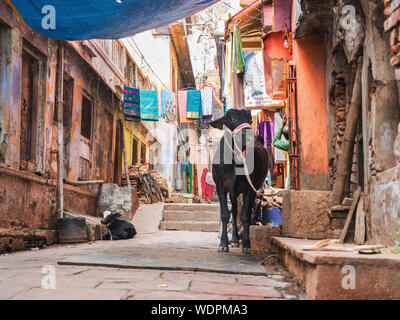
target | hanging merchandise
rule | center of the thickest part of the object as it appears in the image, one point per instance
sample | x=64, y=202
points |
x=182, y=103
x=280, y=138
x=207, y=103
x=255, y=93
x=227, y=92
x=167, y=105
x=131, y=104
x=193, y=106
x=148, y=105
x=237, y=51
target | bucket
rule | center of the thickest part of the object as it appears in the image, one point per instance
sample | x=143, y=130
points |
x=274, y=216
x=72, y=230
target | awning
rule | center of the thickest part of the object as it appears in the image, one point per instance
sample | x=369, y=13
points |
x=102, y=19
x=250, y=22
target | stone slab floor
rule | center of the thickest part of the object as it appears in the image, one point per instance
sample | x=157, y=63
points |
x=29, y=274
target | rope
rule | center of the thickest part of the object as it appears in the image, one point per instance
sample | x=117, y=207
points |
x=241, y=157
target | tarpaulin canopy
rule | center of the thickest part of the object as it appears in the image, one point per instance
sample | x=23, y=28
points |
x=102, y=19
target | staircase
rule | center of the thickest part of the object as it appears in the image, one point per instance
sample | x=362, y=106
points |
x=190, y=217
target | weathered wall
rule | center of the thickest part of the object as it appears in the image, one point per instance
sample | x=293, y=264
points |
x=310, y=56
x=304, y=214
x=385, y=207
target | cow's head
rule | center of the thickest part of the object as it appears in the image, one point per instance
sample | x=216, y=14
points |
x=108, y=217
x=232, y=119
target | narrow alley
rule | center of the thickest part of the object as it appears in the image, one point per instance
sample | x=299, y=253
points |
x=22, y=273
x=200, y=150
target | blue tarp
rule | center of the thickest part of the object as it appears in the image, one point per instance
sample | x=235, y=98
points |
x=103, y=19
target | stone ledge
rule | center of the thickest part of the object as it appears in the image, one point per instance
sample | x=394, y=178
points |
x=321, y=273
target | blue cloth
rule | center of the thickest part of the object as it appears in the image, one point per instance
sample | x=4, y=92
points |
x=103, y=19
x=148, y=105
x=193, y=106
x=131, y=104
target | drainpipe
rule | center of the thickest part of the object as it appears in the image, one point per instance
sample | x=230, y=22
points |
x=60, y=142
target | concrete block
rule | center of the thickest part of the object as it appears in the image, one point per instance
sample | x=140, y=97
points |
x=116, y=199
x=385, y=207
x=260, y=237
x=305, y=214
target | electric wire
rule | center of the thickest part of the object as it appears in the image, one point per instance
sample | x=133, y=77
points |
x=144, y=59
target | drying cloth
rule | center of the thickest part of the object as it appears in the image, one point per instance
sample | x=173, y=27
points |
x=182, y=103
x=193, y=106
x=131, y=104
x=207, y=102
x=227, y=92
x=167, y=105
x=148, y=105
x=237, y=51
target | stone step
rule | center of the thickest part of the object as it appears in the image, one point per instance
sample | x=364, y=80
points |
x=199, y=226
x=173, y=215
x=192, y=206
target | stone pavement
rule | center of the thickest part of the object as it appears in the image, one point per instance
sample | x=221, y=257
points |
x=28, y=274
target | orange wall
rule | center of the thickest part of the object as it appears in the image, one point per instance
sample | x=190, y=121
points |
x=273, y=46
x=310, y=60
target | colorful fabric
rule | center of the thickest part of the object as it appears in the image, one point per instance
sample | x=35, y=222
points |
x=227, y=92
x=131, y=104
x=207, y=102
x=237, y=51
x=167, y=105
x=148, y=105
x=182, y=103
x=193, y=106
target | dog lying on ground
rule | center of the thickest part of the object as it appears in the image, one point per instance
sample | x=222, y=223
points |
x=117, y=229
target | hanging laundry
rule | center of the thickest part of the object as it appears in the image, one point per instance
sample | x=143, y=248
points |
x=167, y=105
x=182, y=103
x=131, y=104
x=227, y=92
x=193, y=106
x=237, y=51
x=207, y=102
x=148, y=105
x=266, y=131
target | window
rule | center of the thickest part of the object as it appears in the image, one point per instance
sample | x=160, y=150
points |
x=118, y=55
x=142, y=153
x=86, y=120
x=134, y=151
x=29, y=103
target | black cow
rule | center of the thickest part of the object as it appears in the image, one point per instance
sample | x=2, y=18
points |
x=117, y=229
x=238, y=142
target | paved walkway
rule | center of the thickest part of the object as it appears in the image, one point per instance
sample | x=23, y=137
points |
x=29, y=274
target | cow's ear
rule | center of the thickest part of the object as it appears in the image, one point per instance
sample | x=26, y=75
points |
x=117, y=215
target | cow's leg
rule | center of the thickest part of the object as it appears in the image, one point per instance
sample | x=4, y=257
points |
x=245, y=216
x=223, y=246
x=235, y=235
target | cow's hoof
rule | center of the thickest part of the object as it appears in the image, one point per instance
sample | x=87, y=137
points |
x=235, y=244
x=223, y=249
x=246, y=250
